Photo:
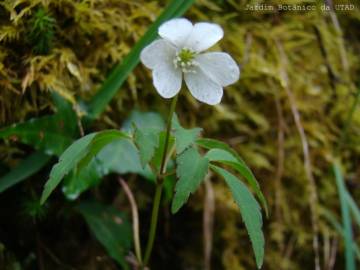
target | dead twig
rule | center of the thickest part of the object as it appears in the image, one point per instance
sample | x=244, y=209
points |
x=208, y=221
x=135, y=218
x=280, y=156
x=333, y=252
x=340, y=40
x=313, y=199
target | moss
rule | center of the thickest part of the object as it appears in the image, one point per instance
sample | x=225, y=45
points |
x=321, y=63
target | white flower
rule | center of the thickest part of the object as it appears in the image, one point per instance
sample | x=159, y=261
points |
x=180, y=51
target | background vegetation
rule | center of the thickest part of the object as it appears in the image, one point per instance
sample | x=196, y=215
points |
x=290, y=117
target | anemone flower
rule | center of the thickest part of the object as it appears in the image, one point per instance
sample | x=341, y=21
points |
x=180, y=52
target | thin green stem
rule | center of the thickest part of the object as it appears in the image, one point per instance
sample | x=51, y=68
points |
x=153, y=225
x=167, y=138
x=159, y=186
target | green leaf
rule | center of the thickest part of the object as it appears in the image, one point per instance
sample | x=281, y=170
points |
x=102, y=139
x=45, y=133
x=110, y=227
x=117, y=77
x=79, y=154
x=346, y=218
x=354, y=208
x=212, y=143
x=147, y=141
x=227, y=158
x=67, y=161
x=336, y=224
x=50, y=134
x=156, y=161
x=65, y=109
x=184, y=138
x=79, y=181
x=144, y=120
x=191, y=171
x=23, y=170
x=120, y=156
x=250, y=212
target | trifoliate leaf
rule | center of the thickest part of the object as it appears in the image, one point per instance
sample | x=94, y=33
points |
x=191, y=170
x=120, y=156
x=159, y=151
x=228, y=158
x=79, y=154
x=184, y=138
x=250, y=212
x=147, y=141
x=144, y=120
x=80, y=180
x=67, y=162
x=212, y=143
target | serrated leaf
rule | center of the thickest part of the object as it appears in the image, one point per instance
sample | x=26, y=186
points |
x=227, y=158
x=191, y=171
x=144, y=120
x=212, y=143
x=250, y=212
x=110, y=227
x=102, y=139
x=184, y=138
x=119, y=157
x=156, y=161
x=122, y=157
x=67, y=161
x=79, y=154
x=147, y=141
x=79, y=181
x=23, y=170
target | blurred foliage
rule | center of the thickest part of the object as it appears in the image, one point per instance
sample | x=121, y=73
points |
x=314, y=56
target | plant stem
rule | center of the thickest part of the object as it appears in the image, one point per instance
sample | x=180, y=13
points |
x=159, y=186
x=153, y=225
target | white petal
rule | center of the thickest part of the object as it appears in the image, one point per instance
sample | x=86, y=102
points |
x=220, y=67
x=203, y=36
x=203, y=88
x=157, y=53
x=167, y=80
x=176, y=31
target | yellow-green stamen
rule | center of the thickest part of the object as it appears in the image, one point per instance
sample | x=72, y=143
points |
x=185, y=60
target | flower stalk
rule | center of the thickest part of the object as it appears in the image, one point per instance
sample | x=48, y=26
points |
x=159, y=185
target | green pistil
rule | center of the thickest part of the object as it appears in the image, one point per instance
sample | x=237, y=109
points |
x=186, y=55
x=185, y=60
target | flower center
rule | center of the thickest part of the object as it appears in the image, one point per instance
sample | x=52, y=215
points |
x=185, y=60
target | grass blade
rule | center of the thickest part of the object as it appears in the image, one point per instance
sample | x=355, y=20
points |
x=23, y=170
x=354, y=208
x=346, y=218
x=335, y=223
